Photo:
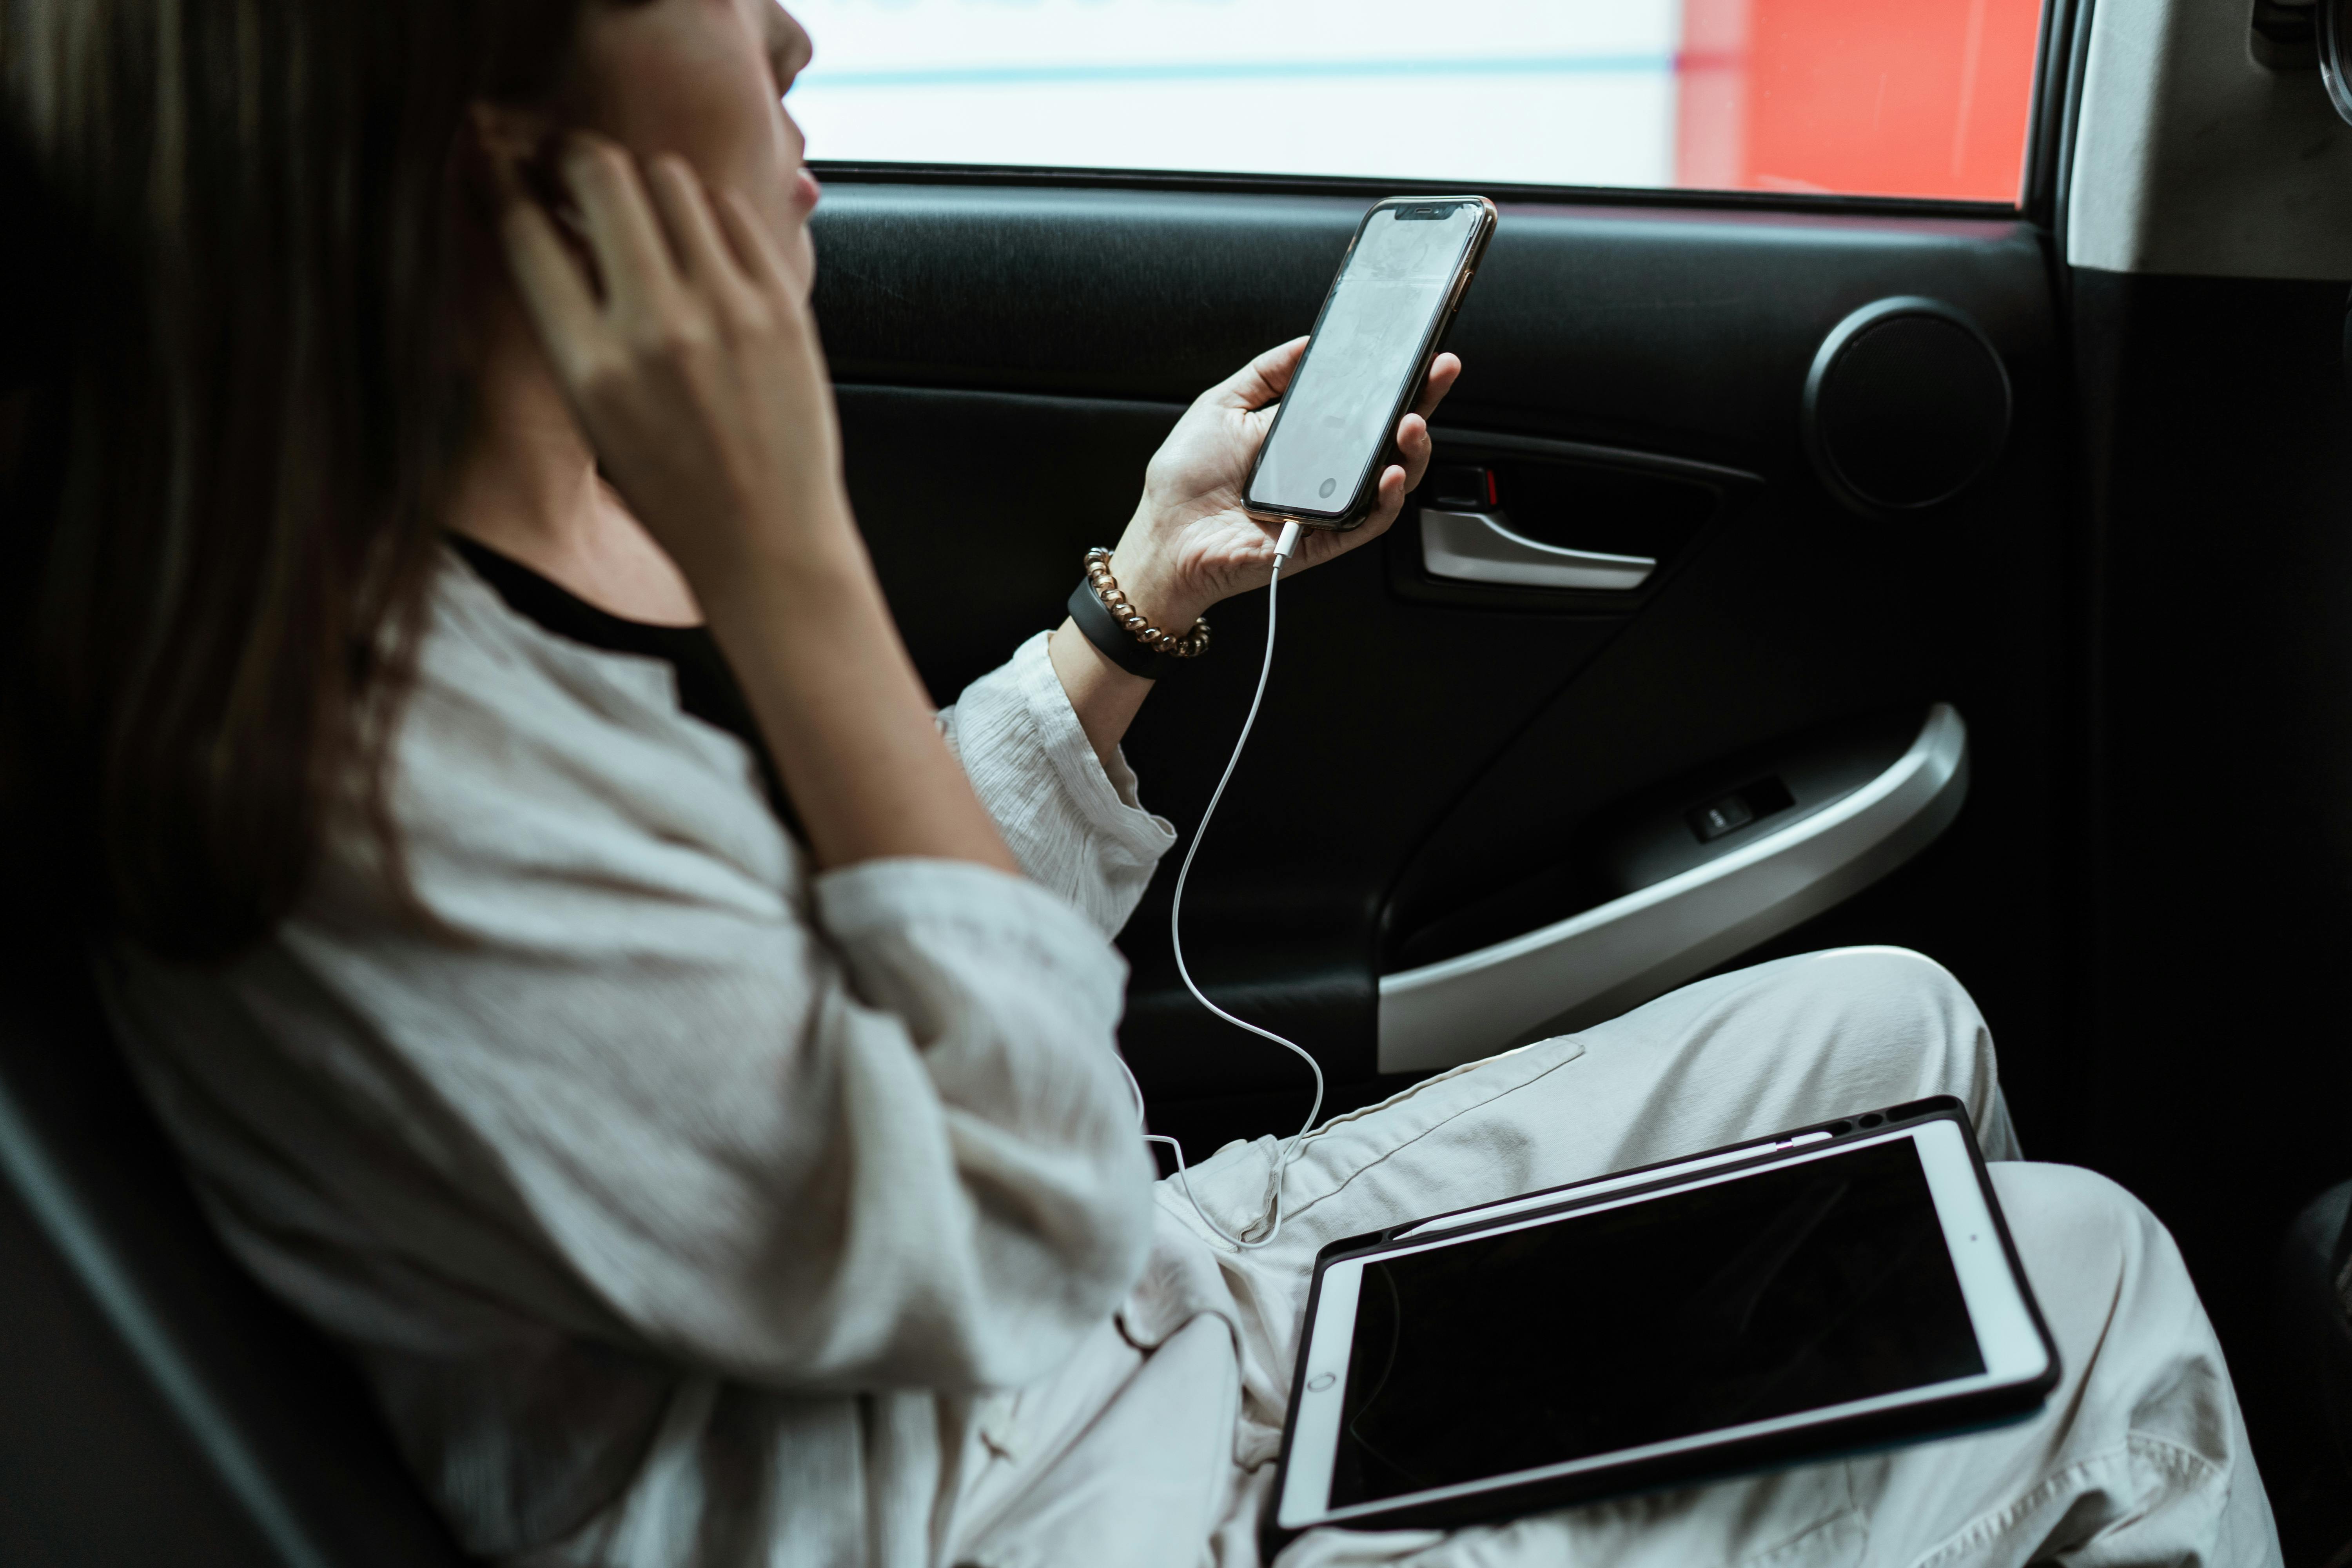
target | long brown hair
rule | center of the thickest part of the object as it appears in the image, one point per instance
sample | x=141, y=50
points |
x=247, y=431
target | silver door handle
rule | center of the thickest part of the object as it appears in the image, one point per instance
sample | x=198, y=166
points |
x=1594, y=965
x=1477, y=547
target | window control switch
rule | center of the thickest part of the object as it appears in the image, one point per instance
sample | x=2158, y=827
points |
x=1763, y=798
x=1714, y=820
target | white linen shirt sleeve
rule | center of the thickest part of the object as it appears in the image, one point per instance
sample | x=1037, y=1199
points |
x=652, y=1086
x=1074, y=825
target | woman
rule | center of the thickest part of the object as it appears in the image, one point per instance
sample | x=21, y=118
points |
x=696, y=1188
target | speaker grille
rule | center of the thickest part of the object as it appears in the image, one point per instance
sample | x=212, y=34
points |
x=1906, y=405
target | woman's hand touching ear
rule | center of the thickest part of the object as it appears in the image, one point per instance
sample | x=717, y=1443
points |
x=690, y=359
x=1189, y=543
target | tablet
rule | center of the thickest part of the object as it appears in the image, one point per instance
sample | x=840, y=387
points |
x=1835, y=1287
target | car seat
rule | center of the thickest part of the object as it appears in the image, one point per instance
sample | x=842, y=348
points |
x=155, y=1404
x=2316, y=1301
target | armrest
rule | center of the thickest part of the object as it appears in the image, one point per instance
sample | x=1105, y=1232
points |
x=1598, y=964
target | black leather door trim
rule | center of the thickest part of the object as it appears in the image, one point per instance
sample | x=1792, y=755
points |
x=1588, y=452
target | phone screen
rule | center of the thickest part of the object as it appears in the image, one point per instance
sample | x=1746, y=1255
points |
x=1801, y=1286
x=1335, y=416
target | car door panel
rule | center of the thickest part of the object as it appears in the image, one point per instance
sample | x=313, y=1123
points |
x=1662, y=889
x=1010, y=355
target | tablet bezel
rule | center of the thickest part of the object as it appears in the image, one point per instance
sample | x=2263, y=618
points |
x=2010, y=1337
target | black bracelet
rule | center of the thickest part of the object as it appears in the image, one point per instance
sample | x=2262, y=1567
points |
x=1113, y=641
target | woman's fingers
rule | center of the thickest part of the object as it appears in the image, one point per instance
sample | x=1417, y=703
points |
x=554, y=290
x=1443, y=372
x=1388, y=501
x=703, y=252
x=1323, y=545
x=755, y=248
x=1414, y=442
x=1414, y=445
x=626, y=237
x=1267, y=377
x=1262, y=380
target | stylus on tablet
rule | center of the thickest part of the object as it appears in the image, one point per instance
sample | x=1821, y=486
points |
x=1610, y=1183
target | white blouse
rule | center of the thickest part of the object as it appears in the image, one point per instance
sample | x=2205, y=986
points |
x=671, y=1196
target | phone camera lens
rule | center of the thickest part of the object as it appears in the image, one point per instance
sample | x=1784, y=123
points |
x=1328, y=486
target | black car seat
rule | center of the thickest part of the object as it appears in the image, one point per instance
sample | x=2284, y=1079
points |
x=2315, y=1299
x=155, y=1406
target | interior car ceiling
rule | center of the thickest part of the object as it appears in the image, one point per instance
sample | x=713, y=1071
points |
x=2133, y=595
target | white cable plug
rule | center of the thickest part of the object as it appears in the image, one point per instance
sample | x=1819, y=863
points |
x=1282, y=553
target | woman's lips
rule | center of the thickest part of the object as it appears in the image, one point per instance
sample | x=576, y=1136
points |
x=806, y=192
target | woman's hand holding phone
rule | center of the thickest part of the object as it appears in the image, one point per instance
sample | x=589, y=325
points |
x=1191, y=544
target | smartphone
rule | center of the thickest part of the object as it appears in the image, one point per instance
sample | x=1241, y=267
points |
x=1397, y=290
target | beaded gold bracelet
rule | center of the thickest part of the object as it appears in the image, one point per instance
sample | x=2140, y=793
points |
x=1191, y=645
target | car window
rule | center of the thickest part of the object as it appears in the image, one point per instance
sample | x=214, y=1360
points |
x=1899, y=97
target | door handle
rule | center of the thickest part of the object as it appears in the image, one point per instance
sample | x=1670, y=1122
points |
x=1596, y=965
x=1477, y=547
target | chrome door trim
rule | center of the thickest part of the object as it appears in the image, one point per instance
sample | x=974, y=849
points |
x=1479, y=547
x=1615, y=956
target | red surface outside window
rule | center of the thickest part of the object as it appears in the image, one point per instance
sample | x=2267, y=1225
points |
x=1899, y=97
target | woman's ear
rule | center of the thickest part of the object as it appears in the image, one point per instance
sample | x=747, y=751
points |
x=509, y=137
x=514, y=151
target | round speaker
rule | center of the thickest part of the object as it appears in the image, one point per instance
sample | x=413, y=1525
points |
x=2332, y=36
x=1906, y=405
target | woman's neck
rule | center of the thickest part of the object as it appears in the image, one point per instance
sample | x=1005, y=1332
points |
x=528, y=488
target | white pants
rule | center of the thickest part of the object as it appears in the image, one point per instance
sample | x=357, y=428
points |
x=1156, y=1445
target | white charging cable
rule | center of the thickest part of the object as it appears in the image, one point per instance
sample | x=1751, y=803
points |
x=1290, y=1151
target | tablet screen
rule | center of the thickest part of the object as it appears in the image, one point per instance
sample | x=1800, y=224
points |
x=1802, y=1285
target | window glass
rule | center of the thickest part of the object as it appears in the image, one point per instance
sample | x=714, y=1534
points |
x=1910, y=98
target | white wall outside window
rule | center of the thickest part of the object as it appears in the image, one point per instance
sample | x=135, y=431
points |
x=1541, y=91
